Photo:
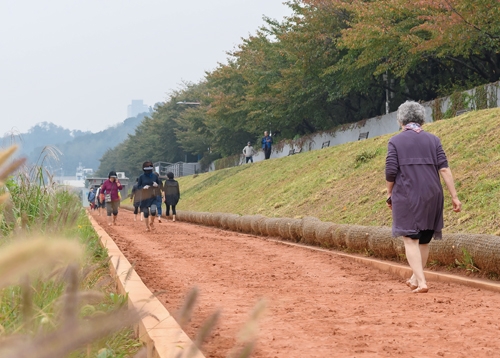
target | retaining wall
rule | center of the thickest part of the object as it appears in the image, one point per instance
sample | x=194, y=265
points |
x=484, y=250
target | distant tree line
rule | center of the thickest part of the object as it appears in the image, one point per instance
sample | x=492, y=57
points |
x=331, y=62
x=61, y=150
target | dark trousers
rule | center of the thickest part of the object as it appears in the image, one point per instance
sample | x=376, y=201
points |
x=267, y=152
x=168, y=210
x=249, y=159
x=158, y=204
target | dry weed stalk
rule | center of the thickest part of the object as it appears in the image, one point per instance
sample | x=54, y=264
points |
x=38, y=257
x=28, y=256
x=248, y=335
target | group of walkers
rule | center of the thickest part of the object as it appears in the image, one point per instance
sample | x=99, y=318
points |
x=148, y=194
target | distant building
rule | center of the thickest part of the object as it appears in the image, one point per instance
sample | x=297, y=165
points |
x=136, y=108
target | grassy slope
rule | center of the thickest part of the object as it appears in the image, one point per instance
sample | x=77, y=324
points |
x=335, y=184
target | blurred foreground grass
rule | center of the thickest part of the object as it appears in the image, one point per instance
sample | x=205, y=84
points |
x=56, y=296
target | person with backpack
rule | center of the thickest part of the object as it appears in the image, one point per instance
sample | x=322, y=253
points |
x=149, y=185
x=172, y=194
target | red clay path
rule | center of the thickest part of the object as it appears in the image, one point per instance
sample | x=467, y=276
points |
x=318, y=304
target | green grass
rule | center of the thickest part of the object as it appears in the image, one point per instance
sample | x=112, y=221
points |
x=39, y=304
x=346, y=183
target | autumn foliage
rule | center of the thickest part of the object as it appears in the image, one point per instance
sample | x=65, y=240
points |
x=330, y=62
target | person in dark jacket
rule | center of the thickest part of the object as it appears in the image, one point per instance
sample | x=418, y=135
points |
x=110, y=190
x=149, y=184
x=135, y=198
x=267, y=143
x=91, y=198
x=414, y=161
x=172, y=194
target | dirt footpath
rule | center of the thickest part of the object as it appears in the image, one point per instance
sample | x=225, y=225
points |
x=318, y=304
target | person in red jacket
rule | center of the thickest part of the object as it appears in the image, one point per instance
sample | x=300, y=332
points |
x=110, y=190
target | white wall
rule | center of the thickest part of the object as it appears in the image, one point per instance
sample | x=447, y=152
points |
x=375, y=126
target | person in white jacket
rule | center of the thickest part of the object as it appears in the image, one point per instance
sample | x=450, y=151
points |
x=248, y=152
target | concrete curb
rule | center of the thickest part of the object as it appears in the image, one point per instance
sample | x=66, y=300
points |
x=401, y=270
x=159, y=331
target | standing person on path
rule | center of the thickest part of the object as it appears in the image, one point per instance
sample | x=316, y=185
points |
x=110, y=190
x=249, y=152
x=267, y=143
x=149, y=184
x=414, y=161
x=172, y=194
x=135, y=198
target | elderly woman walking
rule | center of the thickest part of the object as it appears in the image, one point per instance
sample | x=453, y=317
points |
x=415, y=159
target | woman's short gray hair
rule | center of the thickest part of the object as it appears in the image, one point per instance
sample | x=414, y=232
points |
x=411, y=111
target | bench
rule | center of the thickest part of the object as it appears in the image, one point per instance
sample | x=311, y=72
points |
x=294, y=151
x=325, y=144
x=363, y=135
x=462, y=111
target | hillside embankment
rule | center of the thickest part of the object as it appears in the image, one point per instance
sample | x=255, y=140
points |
x=345, y=184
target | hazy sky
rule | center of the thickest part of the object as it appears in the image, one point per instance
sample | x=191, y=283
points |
x=79, y=63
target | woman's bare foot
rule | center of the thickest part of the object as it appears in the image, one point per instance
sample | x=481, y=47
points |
x=411, y=285
x=421, y=290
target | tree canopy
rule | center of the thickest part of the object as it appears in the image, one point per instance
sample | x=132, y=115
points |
x=330, y=62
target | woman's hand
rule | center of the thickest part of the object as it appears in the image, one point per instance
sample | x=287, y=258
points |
x=457, y=205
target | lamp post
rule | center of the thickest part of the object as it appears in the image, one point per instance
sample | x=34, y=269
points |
x=386, y=80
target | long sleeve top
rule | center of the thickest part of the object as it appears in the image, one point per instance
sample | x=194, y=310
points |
x=172, y=192
x=112, y=188
x=148, y=195
x=267, y=142
x=413, y=162
x=248, y=151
